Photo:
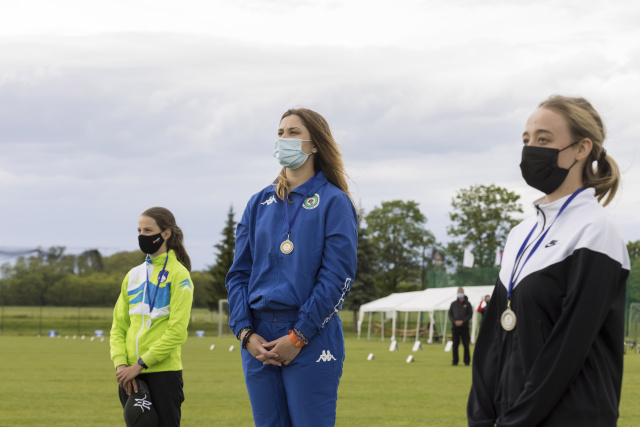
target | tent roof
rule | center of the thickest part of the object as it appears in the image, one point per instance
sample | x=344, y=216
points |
x=428, y=300
x=441, y=298
x=389, y=302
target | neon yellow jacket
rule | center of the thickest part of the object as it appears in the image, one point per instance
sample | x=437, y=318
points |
x=159, y=345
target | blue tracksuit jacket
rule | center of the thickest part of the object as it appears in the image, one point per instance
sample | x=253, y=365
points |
x=313, y=279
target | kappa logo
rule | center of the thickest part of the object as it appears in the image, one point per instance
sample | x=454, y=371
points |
x=270, y=200
x=326, y=356
x=551, y=243
x=311, y=202
x=143, y=403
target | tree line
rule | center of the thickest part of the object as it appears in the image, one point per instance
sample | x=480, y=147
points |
x=396, y=253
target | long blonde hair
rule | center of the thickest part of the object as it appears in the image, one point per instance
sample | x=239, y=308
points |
x=585, y=122
x=328, y=159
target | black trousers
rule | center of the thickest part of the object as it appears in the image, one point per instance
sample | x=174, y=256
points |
x=166, y=395
x=460, y=333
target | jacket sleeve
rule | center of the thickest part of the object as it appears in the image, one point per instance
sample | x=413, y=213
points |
x=451, y=314
x=179, y=314
x=468, y=313
x=119, y=327
x=481, y=411
x=595, y=288
x=237, y=280
x=337, y=268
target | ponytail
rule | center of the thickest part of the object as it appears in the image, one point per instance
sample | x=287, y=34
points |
x=603, y=175
x=175, y=242
x=165, y=220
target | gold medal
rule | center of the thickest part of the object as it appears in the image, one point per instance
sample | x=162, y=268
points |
x=287, y=246
x=508, y=320
x=148, y=322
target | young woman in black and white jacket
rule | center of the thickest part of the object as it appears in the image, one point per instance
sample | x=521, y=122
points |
x=551, y=346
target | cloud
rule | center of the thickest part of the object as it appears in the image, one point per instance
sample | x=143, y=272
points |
x=97, y=127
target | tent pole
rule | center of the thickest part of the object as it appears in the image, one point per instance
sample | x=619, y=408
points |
x=444, y=329
x=431, y=325
x=418, y=328
x=369, y=331
x=382, y=328
x=393, y=325
x=474, y=325
x=406, y=318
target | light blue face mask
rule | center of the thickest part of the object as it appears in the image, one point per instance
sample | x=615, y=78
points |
x=289, y=152
x=460, y=296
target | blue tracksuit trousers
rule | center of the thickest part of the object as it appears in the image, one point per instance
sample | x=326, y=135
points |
x=303, y=393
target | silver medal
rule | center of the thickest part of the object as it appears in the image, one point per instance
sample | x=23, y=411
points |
x=148, y=322
x=287, y=246
x=508, y=320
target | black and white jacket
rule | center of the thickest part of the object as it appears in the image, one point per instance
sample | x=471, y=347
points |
x=562, y=364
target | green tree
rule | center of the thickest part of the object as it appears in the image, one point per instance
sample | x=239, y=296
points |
x=482, y=218
x=398, y=234
x=224, y=259
x=634, y=249
x=120, y=263
x=363, y=288
x=201, y=281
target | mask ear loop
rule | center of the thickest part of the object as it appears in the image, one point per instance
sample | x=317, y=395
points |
x=575, y=161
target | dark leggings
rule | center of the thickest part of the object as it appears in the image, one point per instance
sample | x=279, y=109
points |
x=166, y=395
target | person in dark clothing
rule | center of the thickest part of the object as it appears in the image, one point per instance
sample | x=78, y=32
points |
x=550, y=351
x=459, y=313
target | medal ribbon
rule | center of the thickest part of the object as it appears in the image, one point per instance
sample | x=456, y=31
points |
x=153, y=301
x=514, y=277
x=286, y=210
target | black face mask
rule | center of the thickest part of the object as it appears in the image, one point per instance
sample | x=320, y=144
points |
x=540, y=168
x=150, y=244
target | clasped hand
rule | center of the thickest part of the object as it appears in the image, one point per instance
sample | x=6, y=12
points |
x=277, y=352
x=126, y=377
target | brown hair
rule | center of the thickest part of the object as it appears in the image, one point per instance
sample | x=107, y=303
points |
x=585, y=122
x=165, y=219
x=328, y=159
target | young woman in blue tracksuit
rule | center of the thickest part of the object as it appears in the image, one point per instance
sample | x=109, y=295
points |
x=550, y=349
x=294, y=264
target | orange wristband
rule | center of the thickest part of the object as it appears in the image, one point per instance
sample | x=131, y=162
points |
x=294, y=340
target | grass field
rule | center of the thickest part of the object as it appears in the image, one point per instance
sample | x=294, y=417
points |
x=67, y=382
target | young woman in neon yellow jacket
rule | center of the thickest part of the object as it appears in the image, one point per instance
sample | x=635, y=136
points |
x=151, y=316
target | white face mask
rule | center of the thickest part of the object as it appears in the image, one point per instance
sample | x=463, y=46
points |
x=289, y=152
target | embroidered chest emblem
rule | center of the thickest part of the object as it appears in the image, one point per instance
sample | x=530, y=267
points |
x=311, y=202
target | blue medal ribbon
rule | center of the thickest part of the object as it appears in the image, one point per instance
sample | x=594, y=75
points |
x=153, y=301
x=514, y=277
x=286, y=210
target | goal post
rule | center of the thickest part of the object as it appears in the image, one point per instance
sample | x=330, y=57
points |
x=223, y=316
x=633, y=329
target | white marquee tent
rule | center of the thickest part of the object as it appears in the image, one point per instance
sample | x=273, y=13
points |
x=427, y=301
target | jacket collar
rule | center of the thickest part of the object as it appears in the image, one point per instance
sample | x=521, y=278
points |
x=302, y=188
x=160, y=259
x=550, y=210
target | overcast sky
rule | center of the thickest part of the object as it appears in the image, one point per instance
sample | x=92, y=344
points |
x=108, y=108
